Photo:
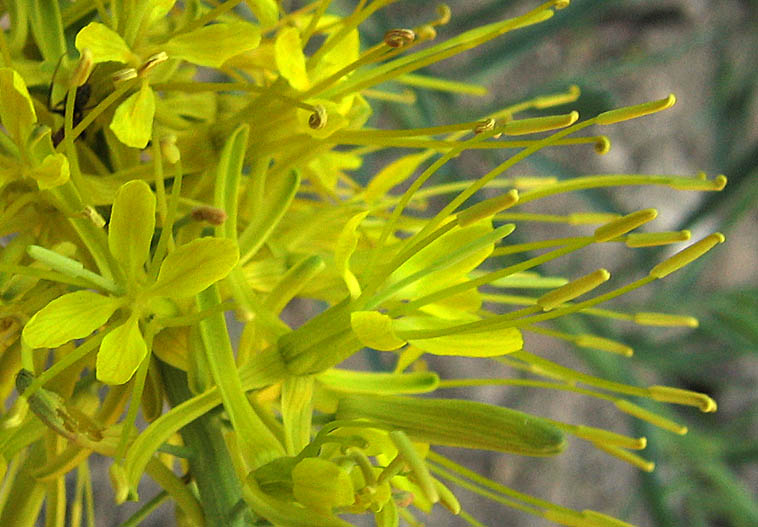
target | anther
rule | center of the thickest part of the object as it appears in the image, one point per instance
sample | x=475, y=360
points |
x=399, y=38
x=83, y=69
x=212, y=215
x=124, y=75
x=484, y=126
x=318, y=118
x=152, y=62
x=443, y=10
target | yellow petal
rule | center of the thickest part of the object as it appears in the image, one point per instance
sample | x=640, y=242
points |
x=215, y=44
x=132, y=225
x=72, y=316
x=53, y=172
x=133, y=120
x=104, y=44
x=290, y=59
x=16, y=108
x=121, y=353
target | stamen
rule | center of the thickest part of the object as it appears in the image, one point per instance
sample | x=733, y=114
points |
x=484, y=126
x=318, y=118
x=573, y=289
x=540, y=124
x=212, y=215
x=665, y=320
x=632, y=112
x=624, y=224
x=686, y=256
x=667, y=394
x=83, y=69
x=124, y=75
x=487, y=208
x=651, y=417
x=629, y=457
x=152, y=62
x=399, y=38
x=652, y=239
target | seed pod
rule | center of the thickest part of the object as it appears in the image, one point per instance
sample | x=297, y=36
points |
x=458, y=423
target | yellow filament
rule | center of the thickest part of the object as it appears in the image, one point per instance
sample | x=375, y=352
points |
x=651, y=417
x=629, y=457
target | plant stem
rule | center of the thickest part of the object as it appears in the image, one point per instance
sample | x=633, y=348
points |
x=210, y=463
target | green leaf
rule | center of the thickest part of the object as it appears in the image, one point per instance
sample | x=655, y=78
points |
x=16, y=107
x=214, y=44
x=104, y=44
x=131, y=226
x=53, y=172
x=72, y=316
x=290, y=59
x=374, y=330
x=121, y=353
x=489, y=343
x=133, y=119
x=194, y=266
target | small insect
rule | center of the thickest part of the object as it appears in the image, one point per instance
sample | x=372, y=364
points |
x=81, y=99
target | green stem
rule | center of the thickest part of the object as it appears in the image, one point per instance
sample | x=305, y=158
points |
x=210, y=464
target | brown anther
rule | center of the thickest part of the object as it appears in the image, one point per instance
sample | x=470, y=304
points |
x=124, y=75
x=399, y=38
x=211, y=215
x=484, y=126
x=92, y=215
x=83, y=69
x=318, y=118
x=152, y=62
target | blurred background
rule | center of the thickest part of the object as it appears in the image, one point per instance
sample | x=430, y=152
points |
x=622, y=53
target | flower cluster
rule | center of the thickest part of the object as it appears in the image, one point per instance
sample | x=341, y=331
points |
x=199, y=166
